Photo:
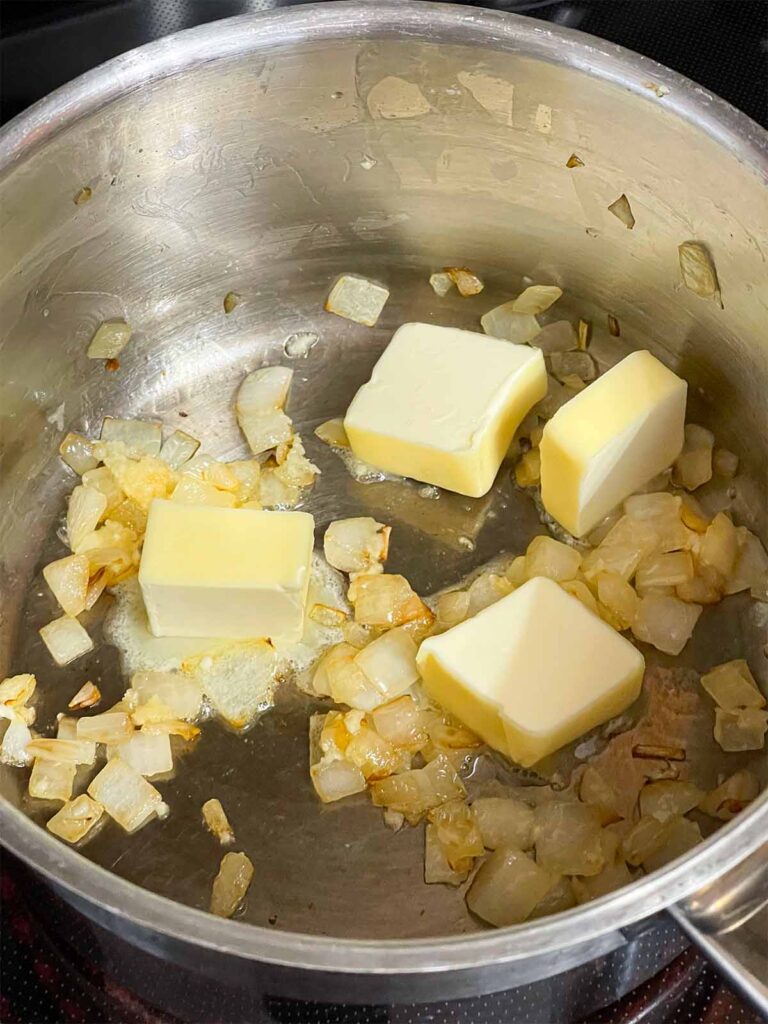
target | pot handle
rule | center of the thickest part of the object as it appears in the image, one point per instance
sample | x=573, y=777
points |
x=728, y=921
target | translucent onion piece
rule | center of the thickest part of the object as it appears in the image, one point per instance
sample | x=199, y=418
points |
x=725, y=463
x=504, y=821
x=619, y=597
x=743, y=729
x=507, y=888
x=395, y=820
x=620, y=208
x=86, y=697
x=415, y=792
x=144, y=479
x=77, y=452
x=220, y=475
x=178, y=449
x=64, y=751
x=528, y=469
x=75, y=819
x=458, y=834
x=355, y=298
x=467, y=282
x=551, y=558
x=66, y=640
x=580, y=590
x=231, y=302
x=693, y=515
x=720, y=545
x=68, y=580
x=248, y=474
x=332, y=432
x=567, y=837
x=336, y=779
x=597, y=791
x=385, y=600
x=51, y=780
x=615, y=875
x=96, y=588
x=231, y=884
x=126, y=796
x=666, y=799
x=732, y=686
x=503, y=322
x=110, y=339
x=559, y=897
x=731, y=796
x=325, y=615
x=556, y=397
x=614, y=327
x=191, y=491
x=401, y=723
x=102, y=479
x=300, y=344
x=664, y=570
x=452, y=608
x=357, y=545
x=66, y=729
x=698, y=271
x=15, y=691
x=448, y=733
x=557, y=337
x=86, y=507
x=584, y=332
x=437, y=870
x=440, y=284
x=665, y=622
x=536, y=298
x=294, y=470
x=274, y=494
x=17, y=740
x=681, y=836
x=653, y=505
x=337, y=675
x=217, y=822
x=750, y=569
x=574, y=161
x=693, y=467
x=140, y=437
x=625, y=545
x=147, y=753
x=566, y=364
x=486, y=589
x=374, y=756
x=644, y=838
x=259, y=404
x=704, y=588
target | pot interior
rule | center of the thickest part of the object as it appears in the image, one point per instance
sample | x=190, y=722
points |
x=269, y=173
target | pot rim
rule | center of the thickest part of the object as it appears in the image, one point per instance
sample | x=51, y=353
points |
x=443, y=24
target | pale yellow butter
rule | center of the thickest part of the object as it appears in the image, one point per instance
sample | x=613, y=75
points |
x=532, y=672
x=442, y=406
x=611, y=439
x=225, y=572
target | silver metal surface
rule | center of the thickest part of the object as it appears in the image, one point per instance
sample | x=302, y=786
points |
x=265, y=155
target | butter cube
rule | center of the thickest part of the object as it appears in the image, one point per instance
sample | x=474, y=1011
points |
x=442, y=406
x=532, y=672
x=225, y=572
x=610, y=439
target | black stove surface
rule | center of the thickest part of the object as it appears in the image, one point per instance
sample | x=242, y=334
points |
x=48, y=973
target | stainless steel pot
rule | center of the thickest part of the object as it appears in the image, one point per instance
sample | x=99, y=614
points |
x=265, y=155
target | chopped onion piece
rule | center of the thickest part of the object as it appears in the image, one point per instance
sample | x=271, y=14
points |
x=325, y=615
x=68, y=580
x=732, y=686
x=217, y=822
x=336, y=779
x=693, y=466
x=580, y=590
x=395, y=820
x=556, y=337
x=644, y=838
x=556, y=397
x=452, y=608
x=720, y=545
x=560, y=897
x=374, y=756
x=725, y=463
x=504, y=821
x=666, y=799
x=147, y=753
x=357, y=546
x=620, y=208
x=86, y=507
x=401, y=723
x=567, y=364
x=653, y=505
x=447, y=733
x=66, y=640
x=437, y=870
x=503, y=322
x=681, y=836
x=64, y=751
x=706, y=587
x=191, y=491
x=143, y=479
x=358, y=299
x=140, y=437
x=551, y=558
x=743, y=729
x=385, y=600
x=618, y=597
x=77, y=452
x=536, y=298
x=75, y=819
x=515, y=571
x=664, y=570
x=109, y=340
x=231, y=884
x=457, y=833
x=467, y=282
x=731, y=796
x=110, y=727
x=259, y=405
x=625, y=545
x=51, y=780
x=528, y=469
x=126, y=796
x=338, y=676
x=507, y=888
x=102, y=479
x=698, y=271
x=441, y=284
x=332, y=432
x=567, y=837
x=178, y=449
x=86, y=697
x=750, y=569
x=231, y=302
x=15, y=748
x=415, y=792
x=597, y=791
x=169, y=727
x=615, y=875
x=16, y=690
x=693, y=515
x=665, y=622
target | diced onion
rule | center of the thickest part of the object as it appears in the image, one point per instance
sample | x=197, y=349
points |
x=452, y=608
x=68, y=580
x=732, y=686
x=551, y=558
x=693, y=467
x=355, y=298
x=620, y=208
x=467, y=281
x=148, y=753
x=682, y=835
x=731, y=796
x=336, y=779
x=504, y=821
x=559, y=897
x=178, y=449
x=357, y=546
x=385, y=600
x=619, y=597
x=504, y=322
x=110, y=339
x=86, y=697
x=536, y=298
x=63, y=751
x=16, y=690
x=332, y=432
x=51, y=780
x=664, y=570
x=507, y=887
x=644, y=838
x=217, y=822
x=567, y=364
x=15, y=748
x=725, y=463
x=102, y=479
x=622, y=549
x=528, y=469
x=567, y=837
x=597, y=791
x=142, y=479
x=86, y=507
x=458, y=834
x=77, y=452
x=742, y=729
x=191, y=491
x=720, y=545
x=666, y=799
x=665, y=622
x=259, y=405
x=698, y=271
x=750, y=568
x=615, y=875
x=110, y=727
x=325, y=615
x=415, y=792
x=76, y=818
x=485, y=590
x=231, y=884
x=140, y=437
x=126, y=796
x=557, y=337
x=374, y=756
x=401, y=723
x=440, y=283
x=337, y=675
x=437, y=870
x=66, y=640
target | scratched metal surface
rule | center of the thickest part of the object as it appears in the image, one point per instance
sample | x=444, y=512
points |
x=268, y=176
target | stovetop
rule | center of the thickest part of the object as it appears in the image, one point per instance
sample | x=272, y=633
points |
x=52, y=971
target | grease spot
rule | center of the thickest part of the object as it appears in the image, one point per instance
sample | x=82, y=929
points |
x=393, y=98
